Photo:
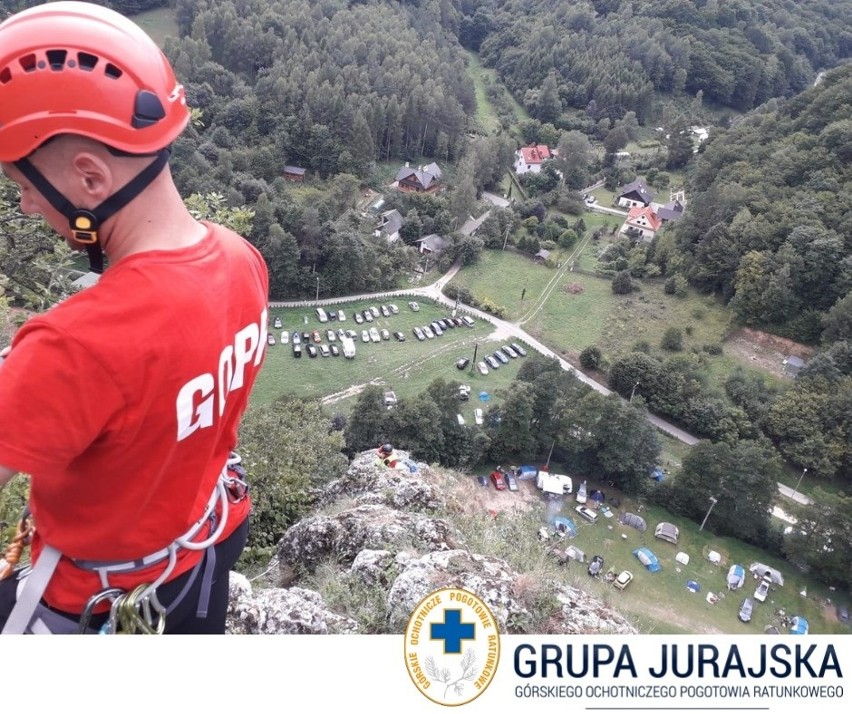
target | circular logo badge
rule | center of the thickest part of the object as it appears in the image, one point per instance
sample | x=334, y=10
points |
x=452, y=646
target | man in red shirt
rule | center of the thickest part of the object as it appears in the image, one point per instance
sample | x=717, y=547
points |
x=123, y=402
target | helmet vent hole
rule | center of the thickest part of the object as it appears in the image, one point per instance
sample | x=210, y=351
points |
x=112, y=71
x=86, y=61
x=5, y=75
x=28, y=62
x=56, y=59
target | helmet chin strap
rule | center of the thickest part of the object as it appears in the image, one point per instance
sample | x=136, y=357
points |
x=86, y=223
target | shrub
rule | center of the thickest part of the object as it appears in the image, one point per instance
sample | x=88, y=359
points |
x=622, y=283
x=672, y=339
x=713, y=348
x=591, y=357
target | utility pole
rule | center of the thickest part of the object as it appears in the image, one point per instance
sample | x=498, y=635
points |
x=547, y=465
x=798, y=483
x=506, y=237
x=473, y=361
x=712, y=503
x=633, y=391
x=316, y=301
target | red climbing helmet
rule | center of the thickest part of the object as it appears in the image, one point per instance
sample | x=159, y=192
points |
x=79, y=68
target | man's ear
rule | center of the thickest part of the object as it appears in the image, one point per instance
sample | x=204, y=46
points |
x=93, y=175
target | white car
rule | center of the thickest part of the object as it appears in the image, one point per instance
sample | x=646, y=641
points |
x=375, y=311
x=477, y=415
x=270, y=338
x=587, y=513
x=414, y=306
x=277, y=322
x=762, y=591
x=460, y=419
x=374, y=335
x=365, y=336
x=285, y=337
x=385, y=311
x=341, y=316
x=394, y=309
x=428, y=332
x=483, y=369
x=385, y=334
x=330, y=336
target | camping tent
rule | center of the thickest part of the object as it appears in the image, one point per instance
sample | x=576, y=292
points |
x=575, y=553
x=667, y=532
x=714, y=557
x=762, y=571
x=799, y=626
x=736, y=577
x=648, y=559
x=692, y=586
x=597, y=495
x=564, y=525
x=631, y=519
x=527, y=473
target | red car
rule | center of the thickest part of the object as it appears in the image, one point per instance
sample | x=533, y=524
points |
x=498, y=480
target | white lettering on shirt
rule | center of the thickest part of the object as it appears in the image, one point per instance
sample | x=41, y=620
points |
x=195, y=399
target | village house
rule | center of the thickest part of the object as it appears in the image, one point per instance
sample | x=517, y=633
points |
x=294, y=173
x=529, y=159
x=424, y=179
x=390, y=223
x=635, y=193
x=644, y=220
x=431, y=244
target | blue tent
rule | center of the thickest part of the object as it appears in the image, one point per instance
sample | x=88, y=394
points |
x=565, y=525
x=692, y=586
x=658, y=474
x=648, y=559
x=799, y=626
x=527, y=473
x=484, y=396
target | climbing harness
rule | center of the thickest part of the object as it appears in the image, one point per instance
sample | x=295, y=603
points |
x=138, y=611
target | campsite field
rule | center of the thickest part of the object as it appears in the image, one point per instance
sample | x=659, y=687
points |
x=660, y=602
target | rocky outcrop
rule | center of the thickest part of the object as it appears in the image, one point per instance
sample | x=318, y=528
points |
x=384, y=532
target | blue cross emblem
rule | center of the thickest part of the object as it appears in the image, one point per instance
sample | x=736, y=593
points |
x=452, y=631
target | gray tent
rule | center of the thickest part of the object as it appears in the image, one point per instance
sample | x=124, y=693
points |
x=634, y=521
x=667, y=531
x=763, y=571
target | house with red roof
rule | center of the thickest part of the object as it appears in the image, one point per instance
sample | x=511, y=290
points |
x=644, y=220
x=529, y=159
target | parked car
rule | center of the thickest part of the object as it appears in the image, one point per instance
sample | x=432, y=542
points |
x=483, y=370
x=596, y=566
x=436, y=328
x=511, y=480
x=482, y=481
x=623, y=580
x=509, y=352
x=458, y=321
x=312, y=351
x=462, y=363
x=297, y=338
x=374, y=311
x=270, y=338
x=460, y=419
x=385, y=334
x=330, y=335
x=335, y=351
x=351, y=334
x=297, y=350
x=277, y=323
x=316, y=336
x=368, y=316
x=448, y=323
x=324, y=351
x=746, y=608
x=441, y=323
x=477, y=417
x=468, y=321
x=582, y=493
x=399, y=336
x=464, y=392
x=586, y=513
x=762, y=590
x=285, y=337
x=385, y=311
x=414, y=306
x=520, y=350
x=394, y=309
x=428, y=332
x=358, y=318
x=341, y=333
x=418, y=333
x=491, y=362
x=374, y=335
x=365, y=336
x=341, y=316
x=498, y=480
x=500, y=357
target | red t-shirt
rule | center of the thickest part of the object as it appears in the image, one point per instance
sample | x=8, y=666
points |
x=123, y=402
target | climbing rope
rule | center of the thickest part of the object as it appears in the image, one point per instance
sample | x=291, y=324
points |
x=23, y=537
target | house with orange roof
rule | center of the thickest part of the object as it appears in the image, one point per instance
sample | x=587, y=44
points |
x=644, y=220
x=528, y=159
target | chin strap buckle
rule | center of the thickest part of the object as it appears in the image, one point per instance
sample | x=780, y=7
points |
x=84, y=227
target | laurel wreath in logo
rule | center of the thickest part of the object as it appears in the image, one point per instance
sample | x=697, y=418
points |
x=443, y=675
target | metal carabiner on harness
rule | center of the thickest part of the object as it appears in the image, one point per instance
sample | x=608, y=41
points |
x=111, y=594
